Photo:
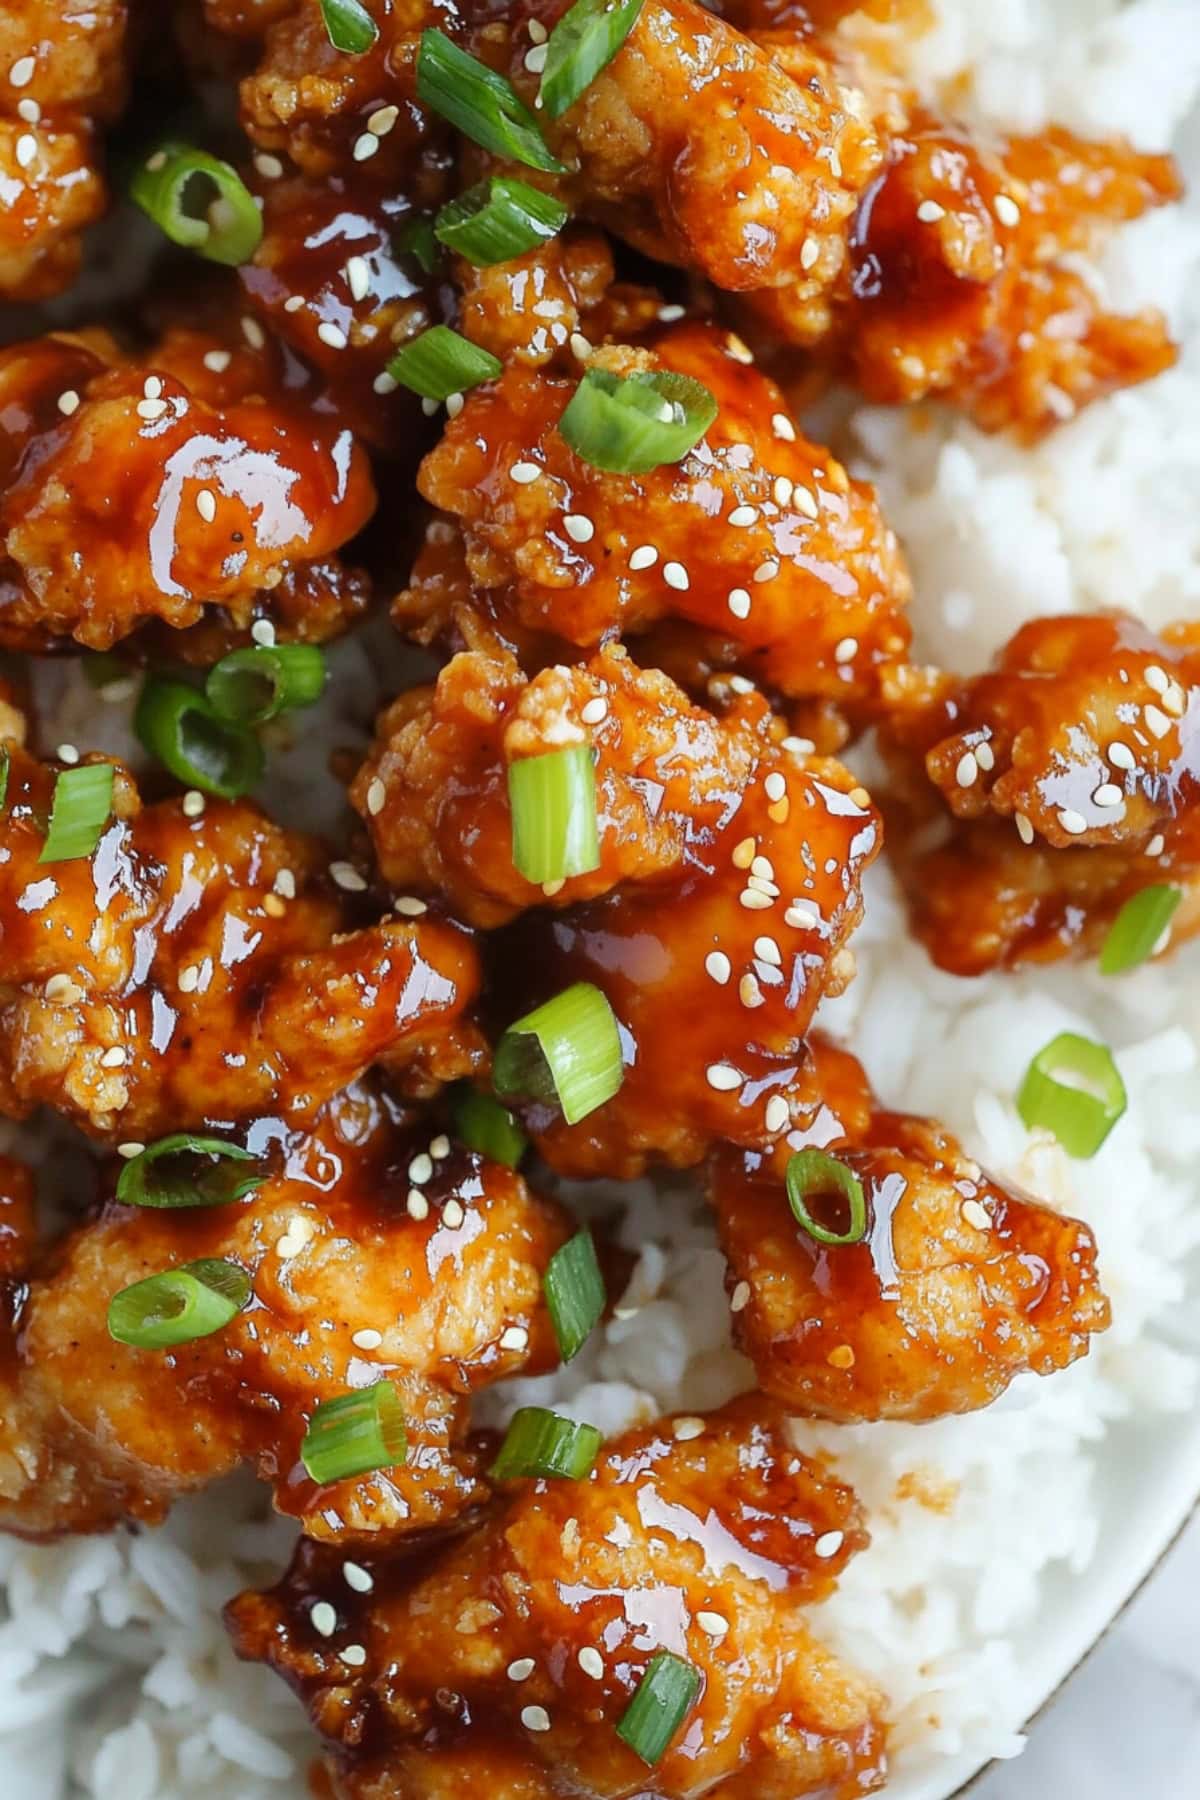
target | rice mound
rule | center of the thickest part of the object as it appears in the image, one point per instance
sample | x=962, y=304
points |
x=116, y=1682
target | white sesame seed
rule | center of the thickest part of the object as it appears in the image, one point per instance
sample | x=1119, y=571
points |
x=193, y=804
x=829, y=1543
x=382, y=120
x=556, y=886
x=358, y=277
x=62, y=988
x=766, y=571
x=713, y=1624
x=929, y=212
x=217, y=360
x=29, y=111
x=68, y=754
x=537, y=31
x=806, y=502
x=524, y=472
x=452, y=1215
x=581, y=348
x=739, y=351
x=754, y=899
x=263, y=633
x=131, y=1149
x=741, y=684
x=798, y=746
x=152, y=387
x=367, y=1339
x=151, y=409
x=1156, y=720
x=594, y=711
x=846, y=650
x=520, y=1670
x=354, y=1655
x=535, y=58
x=1157, y=845
x=1108, y=794
x=358, y=1578
x=376, y=797
x=332, y=334
x=977, y=1215
x=810, y=250
x=206, y=505
x=644, y=557
x=803, y=917
x=365, y=146
x=439, y=1147
x=967, y=771
x=416, y=1206
x=687, y=1428
x=778, y=1113
x=739, y=1300
x=743, y=515
x=1157, y=678
x=409, y=907
x=515, y=1337
x=783, y=428
x=157, y=161
x=454, y=405
x=1007, y=210
x=324, y=1618
x=420, y=1169
x=535, y=1718
x=669, y=314
x=68, y=402
x=22, y=71
x=384, y=383
x=749, y=992
x=676, y=576
x=26, y=151
x=1024, y=828
x=763, y=867
x=1072, y=821
x=294, y=303
x=739, y=603
x=253, y=333
x=189, y=978
x=985, y=756
x=783, y=487
x=718, y=966
x=767, y=950
x=347, y=877
x=591, y=1662
x=268, y=166
x=724, y=1077
x=579, y=528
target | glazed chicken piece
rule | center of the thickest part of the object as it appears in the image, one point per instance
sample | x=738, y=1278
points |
x=64, y=64
x=757, y=534
x=958, y=1285
x=1072, y=776
x=200, y=966
x=153, y=488
x=374, y=1254
x=505, y=1665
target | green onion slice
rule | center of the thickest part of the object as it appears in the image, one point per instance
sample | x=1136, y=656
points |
x=200, y=202
x=179, y=1305
x=816, y=1172
x=482, y=1124
x=498, y=219
x=252, y=685
x=630, y=425
x=1138, y=926
x=567, y=1050
x=665, y=1695
x=481, y=103
x=417, y=239
x=1074, y=1090
x=186, y=1170
x=181, y=727
x=553, y=803
x=79, y=811
x=440, y=363
x=575, y=1293
x=355, y=1434
x=350, y=26
x=544, y=1444
x=582, y=44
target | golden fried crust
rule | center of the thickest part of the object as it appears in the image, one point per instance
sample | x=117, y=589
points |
x=959, y=1285
x=706, y=1548
x=349, y=1286
x=201, y=968
x=757, y=534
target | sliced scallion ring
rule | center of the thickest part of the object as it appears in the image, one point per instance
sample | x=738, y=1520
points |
x=355, y=1434
x=482, y=104
x=199, y=202
x=629, y=425
x=582, y=44
x=187, y=1170
x=253, y=685
x=349, y=25
x=552, y=799
x=482, y=1124
x=575, y=1293
x=567, y=1050
x=440, y=363
x=1137, y=928
x=498, y=219
x=181, y=727
x=812, y=1172
x=79, y=811
x=1073, y=1089
x=179, y=1305
x=545, y=1445
x=664, y=1697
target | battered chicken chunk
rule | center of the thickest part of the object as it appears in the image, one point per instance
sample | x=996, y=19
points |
x=756, y=534
x=199, y=966
x=145, y=488
x=440, y=1294
x=64, y=74
x=1072, y=774
x=959, y=1284
x=505, y=1665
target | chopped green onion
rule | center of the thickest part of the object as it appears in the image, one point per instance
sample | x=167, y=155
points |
x=575, y=1293
x=440, y=363
x=1081, y=1109
x=482, y=1124
x=181, y=727
x=629, y=425
x=417, y=239
x=541, y=1443
x=179, y=1305
x=79, y=812
x=812, y=1172
x=582, y=44
x=200, y=202
x=481, y=103
x=498, y=219
x=665, y=1695
x=252, y=685
x=186, y=1170
x=355, y=1434
x=350, y=26
x=553, y=803
x=1137, y=928
x=567, y=1050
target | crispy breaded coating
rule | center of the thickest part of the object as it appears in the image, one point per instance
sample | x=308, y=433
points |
x=198, y=966
x=350, y=1285
x=959, y=1284
x=505, y=1663
x=153, y=488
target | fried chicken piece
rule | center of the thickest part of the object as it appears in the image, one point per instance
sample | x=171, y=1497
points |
x=151, y=488
x=959, y=1284
x=757, y=534
x=350, y=1286
x=64, y=64
x=199, y=966
x=1072, y=776
x=505, y=1665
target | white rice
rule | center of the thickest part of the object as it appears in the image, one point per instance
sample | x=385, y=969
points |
x=115, y=1679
